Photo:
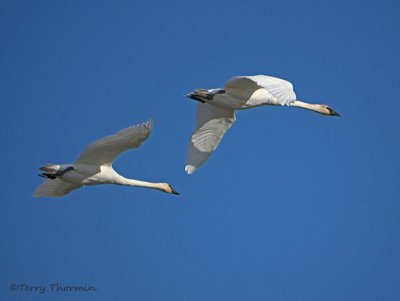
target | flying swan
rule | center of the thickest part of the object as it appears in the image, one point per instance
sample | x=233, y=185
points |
x=94, y=166
x=216, y=110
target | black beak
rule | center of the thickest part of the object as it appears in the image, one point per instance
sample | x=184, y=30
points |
x=173, y=191
x=334, y=113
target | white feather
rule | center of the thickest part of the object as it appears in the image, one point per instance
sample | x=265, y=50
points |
x=94, y=166
x=105, y=150
x=281, y=91
x=217, y=114
x=56, y=187
x=211, y=125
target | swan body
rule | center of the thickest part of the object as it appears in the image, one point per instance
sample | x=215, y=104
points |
x=215, y=112
x=94, y=166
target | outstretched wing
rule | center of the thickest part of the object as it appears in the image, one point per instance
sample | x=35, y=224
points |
x=56, y=187
x=244, y=86
x=211, y=125
x=105, y=150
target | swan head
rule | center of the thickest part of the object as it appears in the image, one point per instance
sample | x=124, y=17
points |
x=326, y=110
x=168, y=188
x=50, y=168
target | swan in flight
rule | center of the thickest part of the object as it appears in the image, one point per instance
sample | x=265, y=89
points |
x=216, y=110
x=94, y=166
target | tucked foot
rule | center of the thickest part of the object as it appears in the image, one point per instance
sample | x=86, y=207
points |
x=61, y=173
x=195, y=97
x=203, y=95
x=47, y=176
x=53, y=176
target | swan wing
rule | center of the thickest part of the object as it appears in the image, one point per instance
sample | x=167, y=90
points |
x=105, y=150
x=244, y=86
x=211, y=125
x=56, y=187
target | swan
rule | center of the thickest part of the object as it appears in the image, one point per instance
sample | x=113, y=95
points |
x=215, y=112
x=94, y=166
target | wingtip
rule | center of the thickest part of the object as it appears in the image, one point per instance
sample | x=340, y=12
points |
x=37, y=194
x=190, y=169
x=149, y=123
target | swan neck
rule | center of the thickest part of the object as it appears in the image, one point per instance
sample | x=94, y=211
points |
x=132, y=182
x=308, y=106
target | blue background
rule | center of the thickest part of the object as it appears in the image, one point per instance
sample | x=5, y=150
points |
x=292, y=205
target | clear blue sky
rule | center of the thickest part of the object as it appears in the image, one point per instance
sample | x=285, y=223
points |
x=292, y=206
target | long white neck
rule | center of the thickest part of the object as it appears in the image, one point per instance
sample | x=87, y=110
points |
x=308, y=106
x=131, y=182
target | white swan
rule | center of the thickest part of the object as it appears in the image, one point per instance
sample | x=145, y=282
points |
x=216, y=110
x=94, y=166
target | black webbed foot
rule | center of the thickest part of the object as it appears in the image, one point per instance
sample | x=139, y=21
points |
x=61, y=173
x=68, y=169
x=195, y=97
x=47, y=176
